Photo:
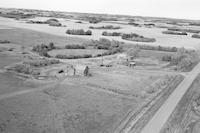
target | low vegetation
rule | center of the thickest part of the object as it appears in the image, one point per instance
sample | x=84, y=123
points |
x=137, y=38
x=183, y=60
x=61, y=56
x=134, y=24
x=43, y=49
x=4, y=41
x=78, y=32
x=194, y=24
x=107, y=27
x=196, y=36
x=174, y=32
x=31, y=67
x=184, y=30
x=42, y=62
x=51, y=22
x=158, y=48
x=24, y=69
x=105, y=33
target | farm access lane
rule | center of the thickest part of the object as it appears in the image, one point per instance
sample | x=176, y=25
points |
x=162, y=115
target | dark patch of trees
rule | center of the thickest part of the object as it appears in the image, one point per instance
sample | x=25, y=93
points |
x=174, y=32
x=43, y=49
x=137, y=38
x=158, y=48
x=184, y=60
x=60, y=56
x=79, y=32
x=107, y=27
x=105, y=33
x=4, y=41
x=196, y=36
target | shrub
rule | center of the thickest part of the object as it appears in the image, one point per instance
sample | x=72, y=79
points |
x=174, y=32
x=94, y=20
x=158, y=48
x=167, y=58
x=196, y=36
x=79, y=32
x=43, y=49
x=42, y=63
x=108, y=27
x=184, y=60
x=137, y=38
x=73, y=56
x=133, y=52
x=184, y=30
x=23, y=68
x=105, y=33
x=4, y=41
x=134, y=24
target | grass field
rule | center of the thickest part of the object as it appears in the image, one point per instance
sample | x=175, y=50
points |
x=27, y=38
x=76, y=52
x=77, y=104
x=185, y=119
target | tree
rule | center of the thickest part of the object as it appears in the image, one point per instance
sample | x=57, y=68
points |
x=133, y=52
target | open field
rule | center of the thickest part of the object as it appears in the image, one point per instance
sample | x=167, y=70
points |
x=29, y=38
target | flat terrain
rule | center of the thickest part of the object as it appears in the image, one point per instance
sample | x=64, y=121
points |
x=159, y=119
x=113, y=98
x=185, y=118
x=161, y=39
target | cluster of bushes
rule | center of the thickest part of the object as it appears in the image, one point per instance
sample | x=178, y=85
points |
x=104, y=43
x=183, y=60
x=42, y=63
x=43, y=49
x=134, y=24
x=105, y=33
x=137, y=38
x=4, y=41
x=79, y=32
x=51, y=22
x=184, y=30
x=60, y=56
x=37, y=22
x=94, y=20
x=107, y=27
x=195, y=24
x=24, y=69
x=174, y=32
x=196, y=36
x=149, y=25
x=158, y=48
x=75, y=46
x=79, y=22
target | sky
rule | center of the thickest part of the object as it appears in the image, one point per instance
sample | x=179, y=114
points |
x=185, y=9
